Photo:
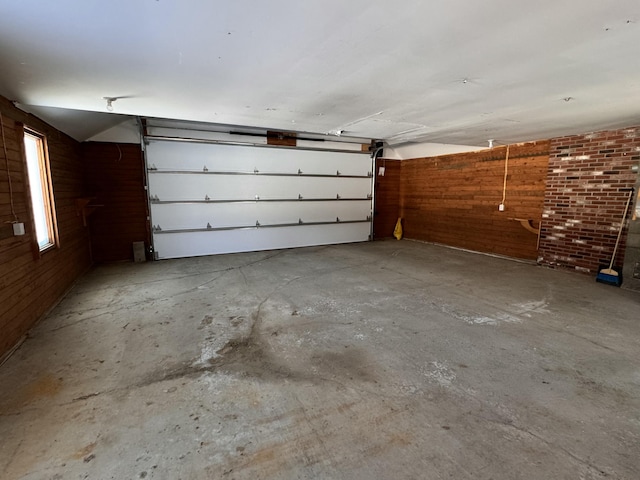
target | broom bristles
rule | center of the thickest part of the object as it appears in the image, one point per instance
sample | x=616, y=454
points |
x=609, y=271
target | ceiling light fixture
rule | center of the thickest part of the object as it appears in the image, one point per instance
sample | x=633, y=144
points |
x=110, y=101
x=491, y=140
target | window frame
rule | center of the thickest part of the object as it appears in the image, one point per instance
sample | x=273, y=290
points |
x=48, y=200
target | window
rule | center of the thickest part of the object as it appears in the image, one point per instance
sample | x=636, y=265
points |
x=35, y=147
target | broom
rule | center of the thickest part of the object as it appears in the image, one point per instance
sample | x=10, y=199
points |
x=609, y=275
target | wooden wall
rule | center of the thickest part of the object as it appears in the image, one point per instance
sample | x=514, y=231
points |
x=387, y=198
x=114, y=176
x=31, y=286
x=453, y=199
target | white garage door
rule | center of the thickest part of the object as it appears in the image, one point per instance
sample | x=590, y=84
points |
x=208, y=198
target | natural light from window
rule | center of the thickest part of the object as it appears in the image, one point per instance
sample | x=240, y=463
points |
x=39, y=186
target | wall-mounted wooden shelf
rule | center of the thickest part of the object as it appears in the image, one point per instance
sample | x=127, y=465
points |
x=528, y=225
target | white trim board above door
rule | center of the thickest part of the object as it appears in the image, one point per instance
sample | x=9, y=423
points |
x=211, y=198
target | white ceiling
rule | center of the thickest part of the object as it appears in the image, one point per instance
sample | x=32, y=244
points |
x=447, y=71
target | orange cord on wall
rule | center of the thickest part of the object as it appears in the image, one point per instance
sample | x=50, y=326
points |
x=504, y=183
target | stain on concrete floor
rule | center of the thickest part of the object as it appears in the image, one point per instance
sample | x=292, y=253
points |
x=354, y=361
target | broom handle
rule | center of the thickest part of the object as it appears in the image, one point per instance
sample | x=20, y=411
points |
x=624, y=217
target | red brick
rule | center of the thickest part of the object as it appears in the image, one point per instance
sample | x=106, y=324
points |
x=595, y=200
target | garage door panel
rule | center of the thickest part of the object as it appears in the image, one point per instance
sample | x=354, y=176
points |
x=178, y=187
x=178, y=245
x=211, y=198
x=190, y=216
x=170, y=156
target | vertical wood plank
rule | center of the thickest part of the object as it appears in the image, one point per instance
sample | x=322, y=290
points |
x=31, y=286
x=114, y=175
x=453, y=199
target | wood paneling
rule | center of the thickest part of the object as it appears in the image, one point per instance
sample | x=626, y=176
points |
x=30, y=285
x=115, y=181
x=387, y=198
x=453, y=199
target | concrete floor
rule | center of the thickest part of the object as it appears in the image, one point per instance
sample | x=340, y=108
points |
x=386, y=360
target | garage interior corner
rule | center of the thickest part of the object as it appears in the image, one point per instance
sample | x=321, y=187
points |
x=390, y=359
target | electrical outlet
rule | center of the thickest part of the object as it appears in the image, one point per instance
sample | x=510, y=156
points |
x=18, y=229
x=501, y=207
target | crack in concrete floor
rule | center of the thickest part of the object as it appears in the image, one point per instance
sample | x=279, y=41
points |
x=334, y=362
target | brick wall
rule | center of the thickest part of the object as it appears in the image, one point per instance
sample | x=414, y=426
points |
x=585, y=198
